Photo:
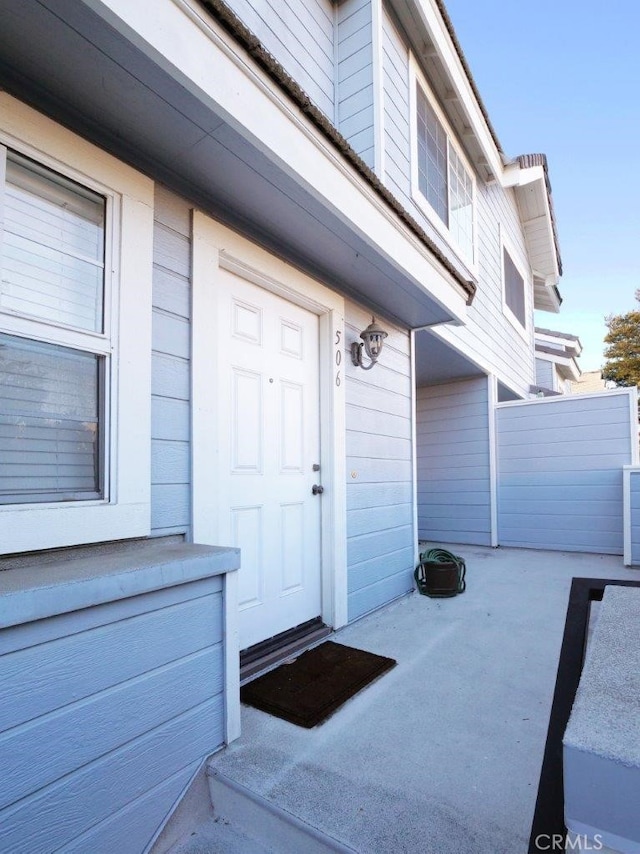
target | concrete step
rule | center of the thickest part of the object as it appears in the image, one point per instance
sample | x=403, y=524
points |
x=219, y=836
x=260, y=820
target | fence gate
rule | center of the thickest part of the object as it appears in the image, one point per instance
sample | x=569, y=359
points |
x=559, y=470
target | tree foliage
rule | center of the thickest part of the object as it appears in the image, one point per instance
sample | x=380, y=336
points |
x=622, y=354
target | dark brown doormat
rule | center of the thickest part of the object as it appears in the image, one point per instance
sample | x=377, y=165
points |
x=307, y=690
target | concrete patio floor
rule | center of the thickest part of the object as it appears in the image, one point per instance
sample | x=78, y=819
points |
x=443, y=753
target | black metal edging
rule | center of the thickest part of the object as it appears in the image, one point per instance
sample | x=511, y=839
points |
x=548, y=818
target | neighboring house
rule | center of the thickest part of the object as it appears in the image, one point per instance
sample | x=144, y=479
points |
x=590, y=381
x=557, y=369
x=203, y=208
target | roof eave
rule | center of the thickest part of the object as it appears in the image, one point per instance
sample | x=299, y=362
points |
x=528, y=175
x=546, y=297
x=434, y=40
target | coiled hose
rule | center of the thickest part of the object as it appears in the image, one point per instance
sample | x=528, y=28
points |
x=439, y=556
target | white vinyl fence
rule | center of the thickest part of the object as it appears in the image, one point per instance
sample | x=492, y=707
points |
x=631, y=479
x=560, y=471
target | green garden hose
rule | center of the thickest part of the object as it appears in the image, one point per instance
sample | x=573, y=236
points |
x=439, y=556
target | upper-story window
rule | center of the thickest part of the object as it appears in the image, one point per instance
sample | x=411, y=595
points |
x=514, y=295
x=441, y=175
x=517, y=290
x=76, y=231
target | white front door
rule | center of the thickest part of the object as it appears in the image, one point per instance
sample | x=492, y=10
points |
x=269, y=420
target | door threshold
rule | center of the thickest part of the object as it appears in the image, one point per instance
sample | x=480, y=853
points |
x=266, y=654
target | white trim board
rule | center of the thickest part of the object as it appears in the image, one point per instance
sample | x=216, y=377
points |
x=216, y=247
x=414, y=446
x=255, y=106
x=567, y=398
x=492, y=397
x=506, y=243
x=417, y=77
x=232, y=725
x=626, y=511
x=377, y=51
x=627, y=473
x=429, y=17
x=126, y=511
x=633, y=417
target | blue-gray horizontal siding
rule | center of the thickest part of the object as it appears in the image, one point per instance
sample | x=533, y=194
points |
x=170, y=367
x=560, y=472
x=493, y=340
x=300, y=36
x=397, y=124
x=395, y=76
x=354, y=77
x=501, y=344
x=452, y=449
x=634, y=509
x=380, y=541
x=105, y=716
x=544, y=374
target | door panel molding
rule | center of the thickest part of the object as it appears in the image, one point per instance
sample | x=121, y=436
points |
x=215, y=249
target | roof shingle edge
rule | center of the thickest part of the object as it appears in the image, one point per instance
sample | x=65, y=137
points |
x=525, y=160
x=250, y=42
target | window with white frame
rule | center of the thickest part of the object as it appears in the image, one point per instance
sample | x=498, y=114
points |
x=514, y=294
x=442, y=177
x=76, y=231
x=53, y=386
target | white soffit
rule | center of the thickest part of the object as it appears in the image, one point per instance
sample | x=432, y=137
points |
x=569, y=343
x=546, y=297
x=250, y=103
x=529, y=185
x=432, y=43
x=431, y=39
x=566, y=366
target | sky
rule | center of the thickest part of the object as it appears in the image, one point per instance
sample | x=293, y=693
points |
x=562, y=77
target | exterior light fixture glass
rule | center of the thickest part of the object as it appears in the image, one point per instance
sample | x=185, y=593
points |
x=373, y=337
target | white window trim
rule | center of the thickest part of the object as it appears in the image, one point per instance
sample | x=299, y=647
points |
x=125, y=511
x=378, y=14
x=524, y=331
x=416, y=77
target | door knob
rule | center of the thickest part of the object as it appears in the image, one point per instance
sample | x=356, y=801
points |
x=316, y=489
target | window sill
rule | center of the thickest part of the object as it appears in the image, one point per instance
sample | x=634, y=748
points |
x=41, y=586
x=523, y=331
x=34, y=527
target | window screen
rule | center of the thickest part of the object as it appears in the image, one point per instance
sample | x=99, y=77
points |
x=461, y=196
x=52, y=364
x=49, y=422
x=514, y=289
x=53, y=247
x=432, y=158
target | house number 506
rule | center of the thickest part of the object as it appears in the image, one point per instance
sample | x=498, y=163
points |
x=338, y=356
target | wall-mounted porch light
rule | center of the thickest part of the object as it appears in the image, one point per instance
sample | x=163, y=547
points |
x=373, y=337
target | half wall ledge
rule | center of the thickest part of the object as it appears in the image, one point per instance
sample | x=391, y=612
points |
x=38, y=586
x=118, y=677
